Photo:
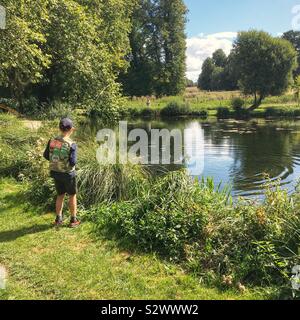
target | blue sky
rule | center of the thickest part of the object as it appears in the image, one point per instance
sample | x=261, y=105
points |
x=213, y=24
x=212, y=16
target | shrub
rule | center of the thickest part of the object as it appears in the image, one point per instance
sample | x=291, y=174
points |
x=202, y=114
x=223, y=113
x=174, y=109
x=106, y=183
x=237, y=104
x=147, y=113
x=194, y=224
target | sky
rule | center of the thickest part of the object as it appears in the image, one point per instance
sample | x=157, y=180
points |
x=213, y=24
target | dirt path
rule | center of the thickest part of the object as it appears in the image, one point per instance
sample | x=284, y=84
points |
x=32, y=124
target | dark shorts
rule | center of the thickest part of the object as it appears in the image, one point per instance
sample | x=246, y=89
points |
x=65, y=183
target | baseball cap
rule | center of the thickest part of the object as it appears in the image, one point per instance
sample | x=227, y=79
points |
x=65, y=124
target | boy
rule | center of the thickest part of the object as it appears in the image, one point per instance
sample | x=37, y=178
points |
x=61, y=152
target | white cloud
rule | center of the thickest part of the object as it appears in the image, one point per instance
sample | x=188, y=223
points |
x=203, y=46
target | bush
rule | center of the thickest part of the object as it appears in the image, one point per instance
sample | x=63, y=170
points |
x=174, y=109
x=56, y=110
x=192, y=223
x=106, y=183
x=223, y=113
x=237, y=104
x=147, y=113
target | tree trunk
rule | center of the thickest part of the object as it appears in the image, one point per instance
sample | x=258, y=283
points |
x=257, y=103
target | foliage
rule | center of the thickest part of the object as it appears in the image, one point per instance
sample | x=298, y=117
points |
x=217, y=73
x=157, y=62
x=191, y=222
x=294, y=38
x=124, y=275
x=107, y=183
x=205, y=79
x=69, y=51
x=223, y=113
x=265, y=64
x=296, y=87
x=219, y=58
x=175, y=109
x=22, y=58
x=238, y=105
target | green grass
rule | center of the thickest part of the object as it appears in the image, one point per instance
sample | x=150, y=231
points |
x=46, y=263
x=210, y=101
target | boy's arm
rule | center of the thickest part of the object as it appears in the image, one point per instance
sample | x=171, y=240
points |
x=73, y=155
x=47, y=151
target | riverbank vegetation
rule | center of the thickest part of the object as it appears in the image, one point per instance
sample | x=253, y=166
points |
x=44, y=263
x=114, y=59
x=222, y=104
x=229, y=245
x=98, y=60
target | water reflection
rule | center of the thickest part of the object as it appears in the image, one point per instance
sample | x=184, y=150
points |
x=238, y=153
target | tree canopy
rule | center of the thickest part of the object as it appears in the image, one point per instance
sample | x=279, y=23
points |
x=294, y=38
x=265, y=64
x=157, y=61
x=217, y=73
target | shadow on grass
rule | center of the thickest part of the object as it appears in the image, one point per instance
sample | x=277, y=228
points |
x=11, y=235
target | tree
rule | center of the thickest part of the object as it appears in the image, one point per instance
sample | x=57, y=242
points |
x=294, y=38
x=218, y=73
x=189, y=83
x=231, y=74
x=87, y=42
x=217, y=79
x=66, y=50
x=172, y=29
x=22, y=59
x=219, y=58
x=296, y=88
x=265, y=64
x=157, y=61
x=205, y=78
x=140, y=77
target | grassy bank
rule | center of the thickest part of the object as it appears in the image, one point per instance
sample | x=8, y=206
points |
x=193, y=103
x=46, y=263
x=191, y=225
x=210, y=104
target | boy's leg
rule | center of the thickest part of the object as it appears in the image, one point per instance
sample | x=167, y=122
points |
x=73, y=205
x=73, y=208
x=59, y=204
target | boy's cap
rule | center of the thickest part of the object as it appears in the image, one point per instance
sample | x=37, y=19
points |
x=65, y=124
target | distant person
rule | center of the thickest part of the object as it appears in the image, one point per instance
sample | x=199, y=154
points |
x=148, y=102
x=61, y=152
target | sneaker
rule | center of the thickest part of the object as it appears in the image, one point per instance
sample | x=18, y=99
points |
x=58, y=221
x=74, y=223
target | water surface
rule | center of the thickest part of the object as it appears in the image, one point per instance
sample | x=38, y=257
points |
x=241, y=153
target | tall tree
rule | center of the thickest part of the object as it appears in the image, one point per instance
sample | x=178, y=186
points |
x=172, y=29
x=22, y=59
x=265, y=64
x=218, y=73
x=139, y=78
x=87, y=42
x=294, y=37
x=205, y=78
x=219, y=58
x=157, y=62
